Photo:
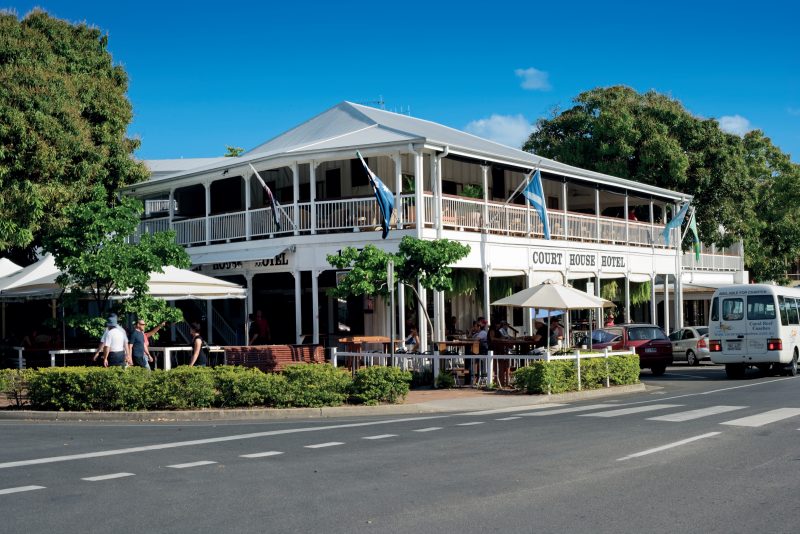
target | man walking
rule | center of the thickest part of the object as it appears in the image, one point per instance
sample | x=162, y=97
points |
x=137, y=346
x=115, y=344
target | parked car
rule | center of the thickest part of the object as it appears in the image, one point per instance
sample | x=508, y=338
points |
x=648, y=340
x=690, y=344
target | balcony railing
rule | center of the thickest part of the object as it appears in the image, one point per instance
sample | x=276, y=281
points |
x=457, y=213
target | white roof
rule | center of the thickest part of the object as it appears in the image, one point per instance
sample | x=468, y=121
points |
x=349, y=126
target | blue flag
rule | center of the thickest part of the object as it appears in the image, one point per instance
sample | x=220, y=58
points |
x=383, y=195
x=272, y=202
x=535, y=195
x=676, y=222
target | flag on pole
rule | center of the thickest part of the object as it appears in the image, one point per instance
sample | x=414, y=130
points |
x=535, y=195
x=676, y=222
x=383, y=195
x=695, y=237
x=272, y=202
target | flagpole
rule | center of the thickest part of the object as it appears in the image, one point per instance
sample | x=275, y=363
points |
x=280, y=208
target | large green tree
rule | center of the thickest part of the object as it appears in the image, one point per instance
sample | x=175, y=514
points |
x=741, y=187
x=101, y=255
x=63, y=120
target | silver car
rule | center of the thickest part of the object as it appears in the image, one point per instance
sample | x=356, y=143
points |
x=690, y=344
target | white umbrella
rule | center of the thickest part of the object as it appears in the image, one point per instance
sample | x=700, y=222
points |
x=8, y=267
x=41, y=276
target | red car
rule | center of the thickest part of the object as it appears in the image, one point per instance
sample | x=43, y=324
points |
x=651, y=344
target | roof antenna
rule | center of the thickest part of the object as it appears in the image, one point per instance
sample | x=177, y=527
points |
x=379, y=103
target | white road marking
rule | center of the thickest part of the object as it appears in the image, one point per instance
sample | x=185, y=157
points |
x=708, y=392
x=260, y=454
x=514, y=409
x=191, y=443
x=695, y=414
x=668, y=446
x=471, y=423
x=20, y=489
x=586, y=408
x=380, y=436
x=764, y=418
x=321, y=445
x=507, y=418
x=429, y=429
x=627, y=411
x=107, y=477
x=191, y=464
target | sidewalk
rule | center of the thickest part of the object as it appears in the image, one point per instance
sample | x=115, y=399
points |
x=421, y=401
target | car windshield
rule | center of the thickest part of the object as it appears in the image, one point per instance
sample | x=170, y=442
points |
x=702, y=331
x=603, y=336
x=645, y=332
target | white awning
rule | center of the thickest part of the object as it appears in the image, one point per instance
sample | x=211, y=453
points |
x=8, y=267
x=247, y=254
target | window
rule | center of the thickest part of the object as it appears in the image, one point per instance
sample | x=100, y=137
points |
x=760, y=307
x=732, y=309
x=791, y=304
x=702, y=331
x=645, y=332
x=715, y=309
x=605, y=336
x=783, y=306
x=688, y=334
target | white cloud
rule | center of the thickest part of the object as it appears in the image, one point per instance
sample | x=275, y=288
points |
x=534, y=79
x=795, y=112
x=511, y=130
x=735, y=124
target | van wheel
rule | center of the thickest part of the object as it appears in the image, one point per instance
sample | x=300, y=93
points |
x=735, y=370
x=691, y=358
x=791, y=369
x=658, y=370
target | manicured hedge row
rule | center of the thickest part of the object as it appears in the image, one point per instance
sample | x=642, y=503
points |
x=302, y=385
x=559, y=376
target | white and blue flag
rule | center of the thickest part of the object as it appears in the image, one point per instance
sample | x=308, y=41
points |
x=535, y=195
x=383, y=195
x=676, y=222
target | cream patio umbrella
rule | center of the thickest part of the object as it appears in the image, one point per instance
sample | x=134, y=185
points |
x=554, y=296
x=8, y=267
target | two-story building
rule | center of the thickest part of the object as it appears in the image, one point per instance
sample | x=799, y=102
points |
x=446, y=184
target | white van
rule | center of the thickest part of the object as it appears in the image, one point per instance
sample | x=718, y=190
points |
x=755, y=325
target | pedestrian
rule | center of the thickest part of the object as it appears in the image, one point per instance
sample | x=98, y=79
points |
x=199, y=347
x=610, y=319
x=115, y=345
x=97, y=353
x=138, y=346
x=262, y=327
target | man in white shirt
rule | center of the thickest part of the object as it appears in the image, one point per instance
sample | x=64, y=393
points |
x=115, y=344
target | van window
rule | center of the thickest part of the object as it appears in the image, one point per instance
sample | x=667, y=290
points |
x=732, y=309
x=760, y=307
x=793, y=315
x=715, y=309
x=783, y=306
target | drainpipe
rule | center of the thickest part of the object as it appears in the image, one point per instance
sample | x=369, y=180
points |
x=418, y=190
x=439, y=198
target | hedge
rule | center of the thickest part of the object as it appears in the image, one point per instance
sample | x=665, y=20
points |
x=559, y=376
x=302, y=385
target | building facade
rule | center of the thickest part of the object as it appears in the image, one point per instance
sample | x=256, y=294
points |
x=446, y=184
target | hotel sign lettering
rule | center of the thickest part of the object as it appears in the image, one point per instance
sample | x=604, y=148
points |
x=580, y=261
x=280, y=259
x=550, y=259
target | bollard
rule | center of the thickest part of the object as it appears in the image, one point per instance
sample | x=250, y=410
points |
x=20, y=359
x=333, y=357
x=52, y=359
x=578, y=365
x=608, y=374
x=490, y=368
x=435, y=367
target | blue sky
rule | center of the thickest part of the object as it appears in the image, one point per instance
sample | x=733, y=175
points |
x=207, y=75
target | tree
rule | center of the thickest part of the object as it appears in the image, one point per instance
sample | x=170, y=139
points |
x=426, y=262
x=97, y=257
x=63, y=120
x=743, y=188
x=651, y=138
x=233, y=151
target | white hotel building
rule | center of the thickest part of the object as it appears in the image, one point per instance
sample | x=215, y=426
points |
x=218, y=211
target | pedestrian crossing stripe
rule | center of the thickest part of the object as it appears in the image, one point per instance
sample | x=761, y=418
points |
x=628, y=411
x=764, y=418
x=695, y=414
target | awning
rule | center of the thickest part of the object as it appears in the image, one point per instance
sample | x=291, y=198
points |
x=248, y=254
x=8, y=267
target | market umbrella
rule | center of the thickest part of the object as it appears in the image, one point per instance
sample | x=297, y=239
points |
x=8, y=267
x=554, y=296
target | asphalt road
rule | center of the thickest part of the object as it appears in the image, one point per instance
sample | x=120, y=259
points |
x=695, y=453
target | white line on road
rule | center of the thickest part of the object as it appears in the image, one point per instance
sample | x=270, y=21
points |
x=514, y=409
x=260, y=454
x=321, y=445
x=20, y=489
x=695, y=414
x=707, y=392
x=586, y=408
x=507, y=418
x=429, y=429
x=471, y=423
x=668, y=446
x=107, y=477
x=380, y=436
x=764, y=418
x=190, y=443
x=191, y=464
x=627, y=411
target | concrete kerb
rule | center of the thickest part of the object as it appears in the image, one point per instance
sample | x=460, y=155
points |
x=488, y=402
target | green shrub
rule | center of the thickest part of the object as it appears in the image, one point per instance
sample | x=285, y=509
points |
x=243, y=386
x=624, y=369
x=421, y=378
x=57, y=388
x=315, y=385
x=373, y=385
x=559, y=376
x=14, y=384
x=181, y=388
x=445, y=380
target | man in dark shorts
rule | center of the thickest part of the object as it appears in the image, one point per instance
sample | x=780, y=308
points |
x=138, y=346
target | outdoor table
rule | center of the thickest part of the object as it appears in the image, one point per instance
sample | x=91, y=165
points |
x=357, y=343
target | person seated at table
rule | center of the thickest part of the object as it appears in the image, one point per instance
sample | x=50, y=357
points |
x=506, y=329
x=540, y=334
x=610, y=319
x=482, y=336
x=556, y=333
x=412, y=341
